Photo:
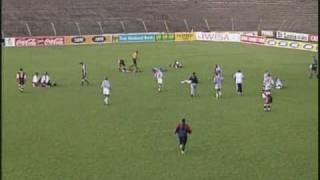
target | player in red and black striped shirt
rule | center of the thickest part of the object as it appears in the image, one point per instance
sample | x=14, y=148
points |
x=21, y=79
x=182, y=130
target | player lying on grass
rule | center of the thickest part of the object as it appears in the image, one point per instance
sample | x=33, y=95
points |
x=21, y=79
x=182, y=130
x=106, y=88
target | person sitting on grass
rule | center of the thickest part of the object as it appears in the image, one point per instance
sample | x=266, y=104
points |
x=46, y=81
x=278, y=83
x=36, y=80
x=122, y=66
x=176, y=64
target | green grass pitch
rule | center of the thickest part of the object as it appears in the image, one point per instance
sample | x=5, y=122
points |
x=66, y=133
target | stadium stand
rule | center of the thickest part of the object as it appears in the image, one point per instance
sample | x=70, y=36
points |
x=60, y=17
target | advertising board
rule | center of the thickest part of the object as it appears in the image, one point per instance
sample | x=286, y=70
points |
x=9, y=42
x=39, y=41
x=313, y=38
x=136, y=37
x=88, y=39
x=165, y=37
x=292, y=44
x=184, y=36
x=253, y=39
x=292, y=36
x=218, y=36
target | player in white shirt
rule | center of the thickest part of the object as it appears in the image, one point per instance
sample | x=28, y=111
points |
x=35, y=80
x=278, y=83
x=218, y=69
x=158, y=75
x=268, y=82
x=218, y=84
x=238, y=77
x=106, y=88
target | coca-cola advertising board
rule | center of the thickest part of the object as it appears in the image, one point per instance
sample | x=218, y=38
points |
x=39, y=41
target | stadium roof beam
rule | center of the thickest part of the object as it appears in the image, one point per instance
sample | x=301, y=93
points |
x=186, y=25
x=260, y=23
x=166, y=26
x=53, y=29
x=232, y=24
x=100, y=26
x=206, y=22
x=78, y=27
x=144, y=25
x=123, y=27
x=283, y=22
x=28, y=29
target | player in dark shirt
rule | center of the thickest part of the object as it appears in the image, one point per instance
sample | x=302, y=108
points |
x=193, y=83
x=21, y=78
x=84, y=74
x=182, y=130
x=314, y=67
x=122, y=65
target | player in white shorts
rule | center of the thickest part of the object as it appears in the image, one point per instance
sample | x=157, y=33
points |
x=238, y=77
x=159, y=77
x=218, y=84
x=106, y=88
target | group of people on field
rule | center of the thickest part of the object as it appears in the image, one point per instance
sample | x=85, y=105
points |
x=38, y=80
x=182, y=129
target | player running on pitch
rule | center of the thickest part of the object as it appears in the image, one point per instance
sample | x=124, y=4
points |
x=84, y=74
x=21, y=79
x=158, y=75
x=182, y=130
x=218, y=84
x=193, y=84
x=106, y=88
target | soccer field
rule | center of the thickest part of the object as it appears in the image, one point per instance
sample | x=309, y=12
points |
x=66, y=132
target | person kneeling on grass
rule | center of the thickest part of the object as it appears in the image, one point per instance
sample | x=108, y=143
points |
x=279, y=83
x=176, y=64
x=36, y=80
x=46, y=81
x=122, y=66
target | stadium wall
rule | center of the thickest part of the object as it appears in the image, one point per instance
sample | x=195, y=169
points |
x=278, y=39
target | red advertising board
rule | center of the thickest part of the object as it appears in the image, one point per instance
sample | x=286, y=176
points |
x=313, y=38
x=253, y=39
x=39, y=41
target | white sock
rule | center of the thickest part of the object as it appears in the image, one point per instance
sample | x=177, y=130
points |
x=106, y=100
x=220, y=93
